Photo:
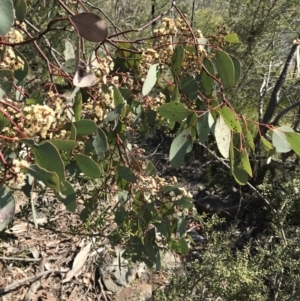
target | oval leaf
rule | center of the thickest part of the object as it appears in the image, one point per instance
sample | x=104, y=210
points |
x=294, y=141
x=181, y=145
x=21, y=10
x=240, y=175
x=177, y=59
x=232, y=38
x=150, y=80
x=126, y=174
x=64, y=145
x=230, y=119
x=6, y=82
x=85, y=127
x=203, y=127
x=245, y=162
x=90, y=26
x=249, y=139
x=237, y=69
x=225, y=68
x=206, y=80
x=47, y=156
x=7, y=207
x=49, y=178
x=189, y=87
x=174, y=111
x=6, y=16
x=20, y=74
x=100, y=144
x=67, y=196
x=88, y=166
x=279, y=139
x=223, y=137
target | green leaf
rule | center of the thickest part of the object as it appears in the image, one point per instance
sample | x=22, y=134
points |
x=64, y=145
x=249, y=139
x=174, y=111
x=77, y=106
x=181, y=226
x=184, y=249
x=6, y=16
x=6, y=78
x=232, y=38
x=279, y=139
x=85, y=127
x=175, y=94
x=223, y=137
x=47, y=156
x=49, y=178
x=245, y=163
x=114, y=115
x=35, y=98
x=230, y=119
x=294, y=141
x=206, y=80
x=4, y=122
x=240, y=175
x=126, y=174
x=237, y=69
x=7, y=206
x=185, y=202
x=181, y=145
x=164, y=227
x=67, y=196
x=189, y=87
x=150, y=80
x=203, y=127
x=20, y=10
x=177, y=59
x=267, y=144
x=225, y=68
x=119, y=100
x=20, y=74
x=88, y=166
x=100, y=144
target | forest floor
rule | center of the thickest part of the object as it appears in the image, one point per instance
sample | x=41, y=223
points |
x=54, y=263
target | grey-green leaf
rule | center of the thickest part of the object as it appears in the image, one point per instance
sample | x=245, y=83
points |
x=181, y=145
x=223, y=137
x=203, y=127
x=6, y=16
x=100, y=144
x=177, y=59
x=88, y=166
x=126, y=174
x=150, y=80
x=174, y=111
x=225, y=68
x=7, y=207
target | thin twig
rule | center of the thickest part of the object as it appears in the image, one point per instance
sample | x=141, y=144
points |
x=21, y=282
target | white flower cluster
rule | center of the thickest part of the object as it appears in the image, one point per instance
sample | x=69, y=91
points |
x=38, y=120
x=19, y=179
x=11, y=61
